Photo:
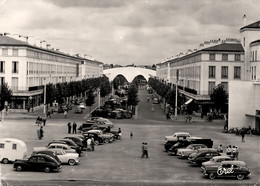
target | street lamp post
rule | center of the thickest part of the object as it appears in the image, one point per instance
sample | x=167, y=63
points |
x=176, y=93
x=44, y=99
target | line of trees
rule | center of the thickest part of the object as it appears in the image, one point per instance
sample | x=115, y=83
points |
x=64, y=92
x=5, y=95
x=165, y=91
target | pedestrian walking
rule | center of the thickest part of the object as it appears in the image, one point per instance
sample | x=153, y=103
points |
x=229, y=150
x=92, y=143
x=220, y=149
x=148, y=99
x=234, y=150
x=69, y=127
x=40, y=133
x=152, y=108
x=131, y=134
x=48, y=114
x=167, y=115
x=44, y=120
x=145, y=150
x=119, y=133
x=65, y=114
x=89, y=148
x=189, y=118
x=250, y=130
x=243, y=135
x=236, y=153
x=74, y=128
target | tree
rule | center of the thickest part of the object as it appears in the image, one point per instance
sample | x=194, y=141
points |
x=90, y=98
x=50, y=93
x=5, y=95
x=132, y=96
x=219, y=97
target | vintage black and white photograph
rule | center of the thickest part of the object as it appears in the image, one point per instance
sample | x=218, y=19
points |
x=130, y=92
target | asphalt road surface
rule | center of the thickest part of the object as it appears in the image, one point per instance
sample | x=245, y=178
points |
x=120, y=163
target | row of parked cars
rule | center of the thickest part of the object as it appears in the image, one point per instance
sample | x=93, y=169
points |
x=66, y=150
x=199, y=152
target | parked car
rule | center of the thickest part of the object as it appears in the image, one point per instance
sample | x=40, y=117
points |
x=236, y=169
x=177, y=136
x=78, y=110
x=63, y=146
x=179, y=145
x=48, y=152
x=65, y=158
x=115, y=114
x=100, y=113
x=192, y=155
x=107, y=137
x=215, y=161
x=69, y=142
x=155, y=100
x=82, y=106
x=79, y=141
x=102, y=121
x=97, y=139
x=37, y=162
x=204, y=156
x=84, y=127
x=190, y=149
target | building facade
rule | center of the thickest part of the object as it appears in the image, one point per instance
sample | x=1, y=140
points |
x=26, y=68
x=202, y=70
x=244, y=100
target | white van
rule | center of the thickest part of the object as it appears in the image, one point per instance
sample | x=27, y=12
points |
x=12, y=149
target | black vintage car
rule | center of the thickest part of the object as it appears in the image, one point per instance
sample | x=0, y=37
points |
x=37, y=162
x=201, y=157
x=79, y=141
x=97, y=139
x=236, y=169
x=182, y=143
x=89, y=125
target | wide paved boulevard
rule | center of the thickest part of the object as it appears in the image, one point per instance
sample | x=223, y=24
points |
x=120, y=163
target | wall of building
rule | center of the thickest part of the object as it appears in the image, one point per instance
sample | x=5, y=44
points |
x=241, y=104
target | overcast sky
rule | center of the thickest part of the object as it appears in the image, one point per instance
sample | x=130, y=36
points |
x=127, y=31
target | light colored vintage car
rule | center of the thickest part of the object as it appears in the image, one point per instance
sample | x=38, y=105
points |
x=177, y=136
x=64, y=147
x=66, y=158
x=190, y=149
x=215, y=161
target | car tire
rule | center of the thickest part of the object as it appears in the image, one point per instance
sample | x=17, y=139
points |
x=240, y=176
x=96, y=142
x=212, y=176
x=19, y=168
x=47, y=169
x=5, y=161
x=106, y=140
x=71, y=162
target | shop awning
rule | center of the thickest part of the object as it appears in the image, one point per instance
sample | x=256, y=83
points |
x=188, y=102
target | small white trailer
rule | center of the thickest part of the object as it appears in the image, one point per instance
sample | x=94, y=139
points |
x=12, y=149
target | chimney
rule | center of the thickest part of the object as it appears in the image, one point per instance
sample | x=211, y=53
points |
x=244, y=18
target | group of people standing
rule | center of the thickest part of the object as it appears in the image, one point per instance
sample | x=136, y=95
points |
x=74, y=127
x=230, y=151
x=41, y=120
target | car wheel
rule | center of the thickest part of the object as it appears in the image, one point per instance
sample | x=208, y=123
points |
x=5, y=161
x=212, y=176
x=47, y=169
x=19, y=168
x=240, y=176
x=72, y=162
x=106, y=140
x=96, y=142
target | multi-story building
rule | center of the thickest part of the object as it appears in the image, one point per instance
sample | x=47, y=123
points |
x=244, y=100
x=202, y=70
x=26, y=68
